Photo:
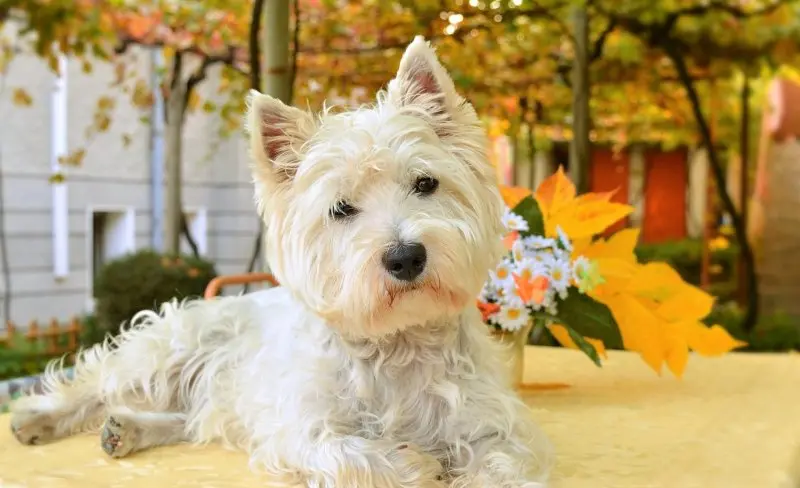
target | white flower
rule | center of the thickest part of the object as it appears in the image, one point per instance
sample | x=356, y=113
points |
x=518, y=251
x=501, y=275
x=538, y=242
x=585, y=274
x=513, y=221
x=560, y=275
x=564, y=239
x=528, y=268
x=512, y=315
x=487, y=292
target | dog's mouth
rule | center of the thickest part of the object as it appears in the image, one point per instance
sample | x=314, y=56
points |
x=396, y=291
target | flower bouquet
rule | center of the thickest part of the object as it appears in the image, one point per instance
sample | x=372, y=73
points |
x=563, y=274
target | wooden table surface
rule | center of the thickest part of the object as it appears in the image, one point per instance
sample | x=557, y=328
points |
x=732, y=422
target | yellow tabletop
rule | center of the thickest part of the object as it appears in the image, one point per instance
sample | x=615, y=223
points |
x=732, y=422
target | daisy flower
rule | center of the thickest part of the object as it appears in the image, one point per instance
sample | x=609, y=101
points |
x=560, y=276
x=518, y=251
x=539, y=242
x=513, y=221
x=586, y=274
x=512, y=315
x=564, y=240
x=501, y=276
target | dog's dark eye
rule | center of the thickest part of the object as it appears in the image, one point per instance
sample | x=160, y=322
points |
x=342, y=210
x=426, y=185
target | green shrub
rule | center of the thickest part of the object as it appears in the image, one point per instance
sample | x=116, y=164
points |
x=686, y=257
x=22, y=358
x=143, y=281
x=772, y=333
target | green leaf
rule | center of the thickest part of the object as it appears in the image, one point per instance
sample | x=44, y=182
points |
x=584, y=346
x=589, y=318
x=529, y=210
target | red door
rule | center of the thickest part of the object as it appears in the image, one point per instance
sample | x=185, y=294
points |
x=611, y=172
x=666, y=180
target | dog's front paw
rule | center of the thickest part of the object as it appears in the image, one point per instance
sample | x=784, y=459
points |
x=414, y=468
x=119, y=438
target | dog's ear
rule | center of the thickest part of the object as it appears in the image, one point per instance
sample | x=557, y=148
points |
x=277, y=131
x=422, y=82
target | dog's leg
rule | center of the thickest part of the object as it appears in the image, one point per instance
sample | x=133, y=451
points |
x=356, y=462
x=126, y=431
x=501, y=463
x=67, y=406
x=137, y=369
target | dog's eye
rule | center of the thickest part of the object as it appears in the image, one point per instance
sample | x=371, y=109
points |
x=426, y=185
x=342, y=210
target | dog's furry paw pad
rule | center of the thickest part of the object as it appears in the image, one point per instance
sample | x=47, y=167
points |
x=118, y=439
x=32, y=427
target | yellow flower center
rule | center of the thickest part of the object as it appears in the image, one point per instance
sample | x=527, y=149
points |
x=514, y=313
x=502, y=273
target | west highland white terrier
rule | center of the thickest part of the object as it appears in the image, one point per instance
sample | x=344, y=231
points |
x=369, y=366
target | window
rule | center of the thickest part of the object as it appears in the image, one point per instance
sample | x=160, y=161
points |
x=197, y=223
x=112, y=236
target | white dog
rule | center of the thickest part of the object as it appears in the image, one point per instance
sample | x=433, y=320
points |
x=370, y=366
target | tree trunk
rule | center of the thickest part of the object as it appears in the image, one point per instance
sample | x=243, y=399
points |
x=277, y=69
x=277, y=74
x=580, y=155
x=746, y=251
x=744, y=158
x=173, y=141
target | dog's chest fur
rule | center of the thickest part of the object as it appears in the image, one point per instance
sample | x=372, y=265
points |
x=408, y=387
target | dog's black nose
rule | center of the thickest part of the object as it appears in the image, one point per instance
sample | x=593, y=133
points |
x=405, y=261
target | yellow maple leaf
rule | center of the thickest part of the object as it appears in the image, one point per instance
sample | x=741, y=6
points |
x=657, y=281
x=710, y=341
x=585, y=218
x=561, y=334
x=689, y=303
x=555, y=192
x=512, y=195
x=639, y=327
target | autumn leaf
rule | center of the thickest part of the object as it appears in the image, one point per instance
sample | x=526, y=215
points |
x=689, y=302
x=655, y=280
x=57, y=178
x=512, y=195
x=555, y=192
x=21, y=98
x=640, y=329
x=587, y=218
x=710, y=341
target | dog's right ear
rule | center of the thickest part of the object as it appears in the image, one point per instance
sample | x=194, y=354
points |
x=277, y=132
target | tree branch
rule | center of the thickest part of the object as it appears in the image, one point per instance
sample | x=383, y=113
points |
x=676, y=56
x=600, y=42
x=253, y=45
x=200, y=74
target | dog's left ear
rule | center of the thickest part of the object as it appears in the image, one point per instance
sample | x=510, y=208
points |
x=422, y=82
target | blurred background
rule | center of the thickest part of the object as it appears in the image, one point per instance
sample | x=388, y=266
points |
x=124, y=174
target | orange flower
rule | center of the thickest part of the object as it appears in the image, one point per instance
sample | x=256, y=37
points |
x=510, y=239
x=531, y=290
x=488, y=309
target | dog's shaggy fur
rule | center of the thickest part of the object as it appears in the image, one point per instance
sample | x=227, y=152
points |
x=358, y=372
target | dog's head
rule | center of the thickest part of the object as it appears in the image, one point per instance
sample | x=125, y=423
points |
x=384, y=217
